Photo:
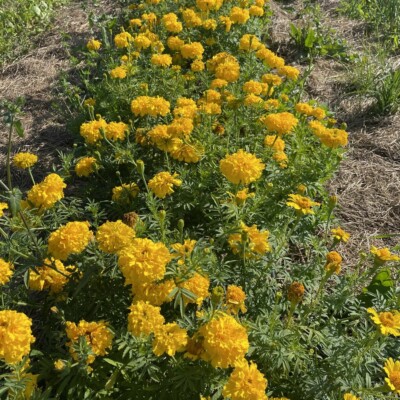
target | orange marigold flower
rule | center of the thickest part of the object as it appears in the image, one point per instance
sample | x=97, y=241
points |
x=333, y=262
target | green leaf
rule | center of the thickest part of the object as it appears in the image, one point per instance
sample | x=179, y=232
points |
x=19, y=128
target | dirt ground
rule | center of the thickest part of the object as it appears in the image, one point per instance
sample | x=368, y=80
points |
x=367, y=183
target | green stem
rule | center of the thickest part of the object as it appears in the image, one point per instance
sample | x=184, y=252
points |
x=32, y=178
x=8, y=162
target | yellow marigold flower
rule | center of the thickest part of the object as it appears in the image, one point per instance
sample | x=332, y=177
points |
x=304, y=108
x=281, y=123
x=192, y=50
x=161, y=60
x=119, y=72
x=187, y=152
x=228, y=71
x=153, y=106
x=317, y=128
x=290, y=72
x=169, y=339
x=144, y=319
x=93, y=45
x=270, y=58
x=383, y=255
x=301, y=188
x=184, y=250
x=16, y=336
x=135, y=22
x=271, y=103
x=256, y=241
x=89, y=102
x=144, y=261
x=295, y=292
x=180, y=127
x=197, y=66
x=191, y=18
x=340, y=235
x=227, y=22
x=97, y=335
x=198, y=285
x=116, y=131
x=24, y=160
x=392, y=369
x=71, y=238
x=114, y=236
x=301, y=204
x=242, y=195
x=151, y=18
x=59, y=365
x=185, y=108
x=6, y=271
x=253, y=87
x=46, y=193
x=162, y=184
x=171, y=23
x=318, y=113
x=333, y=262
x=91, y=131
x=252, y=100
x=349, y=396
x=141, y=42
x=208, y=5
x=85, y=166
x=281, y=158
x=3, y=206
x=235, y=298
x=333, y=138
x=122, y=39
x=239, y=15
x=256, y=11
x=274, y=142
x=271, y=79
x=154, y=293
x=125, y=194
x=388, y=322
x=210, y=25
x=53, y=276
x=249, y=42
x=225, y=341
x=245, y=383
x=174, y=43
x=241, y=167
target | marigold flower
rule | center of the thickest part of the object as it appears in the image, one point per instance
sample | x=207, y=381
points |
x=25, y=160
x=71, y=238
x=271, y=79
x=295, y=292
x=333, y=262
x=191, y=18
x=249, y=42
x=349, y=396
x=97, y=335
x=16, y=336
x=135, y=22
x=197, y=66
x=50, y=278
x=290, y=72
x=235, y=298
x=59, y=365
x=119, y=72
x=192, y=50
x=303, y=205
x=392, y=369
x=270, y=58
x=162, y=184
x=208, y=5
x=169, y=339
x=255, y=241
x=93, y=45
x=171, y=23
x=144, y=261
x=198, y=285
x=228, y=71
x=154, y=293
x=242, y=195
x=281, y=123
x=144, y=319
x=91, y=131
x=46, y=193
x=153, y=106
x=85, y=166
x=174, y=43
x=6, y=271
x=126, y=193
x=274, y=142
x=114, y=236
x=333, y=138
x=122, y=39
x=256, y=11
x=184, y=250
x=161, y=60
x=246, y=382
x=318, y=113
x=225, y=341
x=241, y=167
x=116, y=131
x=340, y=235
x=388, y=322
x=304, y=108
x=239, y=15
x=383, y=255
x=3, y=206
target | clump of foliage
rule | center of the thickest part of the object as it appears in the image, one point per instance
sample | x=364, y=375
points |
x=197, y=256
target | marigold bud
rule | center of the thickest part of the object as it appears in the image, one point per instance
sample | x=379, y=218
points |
x=295, y=292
